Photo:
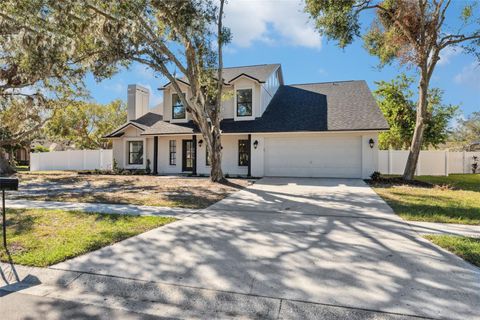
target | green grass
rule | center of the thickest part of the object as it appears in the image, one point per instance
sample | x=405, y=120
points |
x=39, y=237
x=464, y=247
x=458, y=181
x=436, y=204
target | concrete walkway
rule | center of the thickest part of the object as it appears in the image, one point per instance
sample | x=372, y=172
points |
x=446, y=228
x=280, y=249
x=102, y=208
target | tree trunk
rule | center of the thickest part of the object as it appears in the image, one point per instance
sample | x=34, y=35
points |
x=5, y=167
x=216, y=173
x=417, y=139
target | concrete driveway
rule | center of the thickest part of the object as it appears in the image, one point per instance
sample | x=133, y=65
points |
x=331, y=242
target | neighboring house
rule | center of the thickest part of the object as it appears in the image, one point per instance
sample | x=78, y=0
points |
x=21, y=156
x=268, y=129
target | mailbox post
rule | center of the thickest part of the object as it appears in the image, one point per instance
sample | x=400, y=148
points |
x=6, y=184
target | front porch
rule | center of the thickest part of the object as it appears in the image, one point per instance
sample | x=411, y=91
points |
x=187, y=154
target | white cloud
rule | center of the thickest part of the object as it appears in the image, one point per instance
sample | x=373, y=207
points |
x=470, y=75
x=447, y=54
x=144, y=72
x=258, y=20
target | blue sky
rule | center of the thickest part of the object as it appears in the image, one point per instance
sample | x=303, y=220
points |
x=277, y=31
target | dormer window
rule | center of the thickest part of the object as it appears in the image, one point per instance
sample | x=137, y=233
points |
x=244, y=102
x=178, y=109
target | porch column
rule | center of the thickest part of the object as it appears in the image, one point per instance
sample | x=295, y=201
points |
x=155, y=155
x=194, y=160
x=249, y=174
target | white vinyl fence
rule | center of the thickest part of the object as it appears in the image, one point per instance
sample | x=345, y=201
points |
x=72, y=160
x=435, y=163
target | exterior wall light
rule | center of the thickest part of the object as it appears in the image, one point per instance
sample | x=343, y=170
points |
x=200, y=142
x=255, y=144
x=371, y=142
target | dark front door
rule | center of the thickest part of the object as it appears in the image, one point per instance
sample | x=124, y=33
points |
x=187, y=155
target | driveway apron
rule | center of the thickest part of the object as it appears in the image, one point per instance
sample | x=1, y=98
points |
x=327, y=241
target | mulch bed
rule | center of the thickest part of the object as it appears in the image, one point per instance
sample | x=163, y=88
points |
x=399, y=181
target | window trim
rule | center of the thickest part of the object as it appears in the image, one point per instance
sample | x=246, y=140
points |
x=236, y=103
x=130, y=153
x=174, y=152
x=245, y=141
x=126, y=153
x=172, y=115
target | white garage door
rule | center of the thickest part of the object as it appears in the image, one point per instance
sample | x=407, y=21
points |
x=331, y=156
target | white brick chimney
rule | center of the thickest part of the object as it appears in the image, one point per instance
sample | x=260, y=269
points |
x=138, y=101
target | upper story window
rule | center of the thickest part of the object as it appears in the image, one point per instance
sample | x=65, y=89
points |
x=178, y=109
x=244, y=102
x=135, y=152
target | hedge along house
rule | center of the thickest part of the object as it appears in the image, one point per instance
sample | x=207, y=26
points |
x=268, y=129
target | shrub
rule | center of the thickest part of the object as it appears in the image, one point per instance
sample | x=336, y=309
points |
x=40, y=148
x=376, y=176
x=475, y=164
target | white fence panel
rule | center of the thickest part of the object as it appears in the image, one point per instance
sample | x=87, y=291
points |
x=469, y=161
x=72, y=160
x=435, y=163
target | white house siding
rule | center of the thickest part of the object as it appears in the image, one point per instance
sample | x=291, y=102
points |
x=229, y=152
x=120, y=148
x=290, y=154
x=268, y=90
x=260, y=98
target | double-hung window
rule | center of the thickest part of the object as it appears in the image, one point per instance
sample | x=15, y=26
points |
x=243, y=154
x=172, y=147
x=178, y=109
x=135, y=152
x=244, y=102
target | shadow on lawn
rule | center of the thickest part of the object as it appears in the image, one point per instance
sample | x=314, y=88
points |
x=336, y=248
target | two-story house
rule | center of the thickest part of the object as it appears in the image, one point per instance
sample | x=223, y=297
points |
x=268, y=129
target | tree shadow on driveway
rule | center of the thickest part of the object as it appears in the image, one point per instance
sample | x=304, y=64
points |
x=327, y=241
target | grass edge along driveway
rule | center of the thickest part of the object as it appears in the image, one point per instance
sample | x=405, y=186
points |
x=465, y=247
x=452, y=199
x=40, y=237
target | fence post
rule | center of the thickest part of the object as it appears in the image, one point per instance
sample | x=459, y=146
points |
x=389, y=161
x=419, y=161
x=84, y=159
x=446, y=162
x=101, y=159
x=463, y=161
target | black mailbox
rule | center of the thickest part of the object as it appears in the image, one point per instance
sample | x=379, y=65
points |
x=8, y=184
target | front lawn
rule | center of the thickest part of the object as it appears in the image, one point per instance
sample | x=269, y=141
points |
x=467, y=248
x=184, y=192
x=39, y=237
x=457, y=181
x=452, y=199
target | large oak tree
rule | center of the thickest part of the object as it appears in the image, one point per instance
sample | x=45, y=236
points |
x=65, y=39
x=413, y=32
x=169, y=37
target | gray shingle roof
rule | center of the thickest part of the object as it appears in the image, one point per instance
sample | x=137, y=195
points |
x=259, y=72
x=143, y=123
x=332, y=106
